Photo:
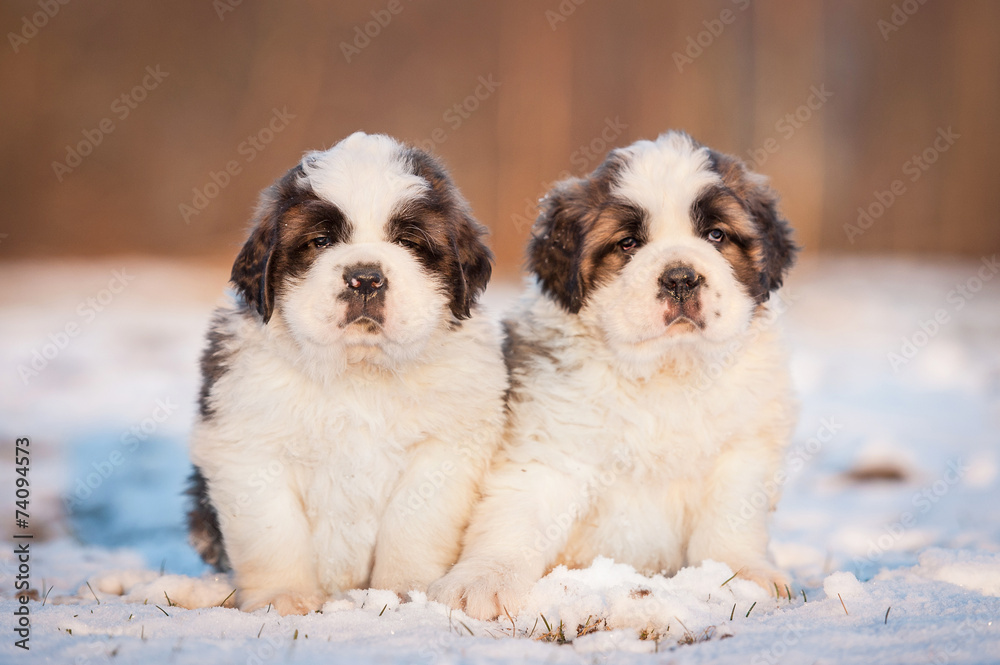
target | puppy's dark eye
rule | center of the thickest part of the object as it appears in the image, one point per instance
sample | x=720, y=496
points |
x=628, y=245
x=322, y=241
x=716, y=235
x=408, y=243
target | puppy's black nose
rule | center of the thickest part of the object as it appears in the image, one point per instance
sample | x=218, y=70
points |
x=680, y=282
x=365, y=280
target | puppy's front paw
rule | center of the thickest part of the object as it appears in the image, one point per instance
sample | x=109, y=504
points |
x=281, y=601
x=484, y=592
x=772, y=580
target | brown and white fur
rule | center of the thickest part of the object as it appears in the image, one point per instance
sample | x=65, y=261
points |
x=353, y=392
x=651, y=274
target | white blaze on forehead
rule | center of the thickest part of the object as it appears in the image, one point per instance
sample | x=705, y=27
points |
x=367, y=177
x=664, y=177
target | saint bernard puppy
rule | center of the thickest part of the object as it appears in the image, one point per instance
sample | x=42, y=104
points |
x=353, y=393
x=649, y=393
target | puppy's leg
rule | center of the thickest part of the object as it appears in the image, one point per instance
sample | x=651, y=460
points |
x=267, y=538
x=420, y=535
x=730, y=523
x=517, y=531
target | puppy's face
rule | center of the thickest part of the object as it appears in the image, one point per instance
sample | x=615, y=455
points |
x=363, y=252
x=666, y=243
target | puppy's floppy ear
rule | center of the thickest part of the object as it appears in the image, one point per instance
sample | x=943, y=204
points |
x=777, y=250
x=253, y=274
x=475, y=265
x=473, y=259
x=556, y=246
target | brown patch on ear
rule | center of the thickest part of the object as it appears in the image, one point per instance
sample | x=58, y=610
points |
x=773, y=251
x=576, y=220
x=475, y=262
x=471, y=262
x=253, y=272
x=555, y=251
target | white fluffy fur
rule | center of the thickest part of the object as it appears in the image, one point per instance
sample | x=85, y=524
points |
x=337, y=459
x=613, y=447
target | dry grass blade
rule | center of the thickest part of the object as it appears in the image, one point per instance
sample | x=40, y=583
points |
x=731, y=578
x=513, y=626
x=842, y=605
x=92, y=591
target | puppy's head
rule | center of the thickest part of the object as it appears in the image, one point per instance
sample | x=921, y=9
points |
x=366, y=247
x=665, y=242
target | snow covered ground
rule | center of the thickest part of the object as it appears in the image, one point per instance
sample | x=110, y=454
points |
x=890, y=521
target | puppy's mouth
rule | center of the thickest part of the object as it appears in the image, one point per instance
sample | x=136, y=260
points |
x=683, y=318
x=365, y=324
x=682, y=325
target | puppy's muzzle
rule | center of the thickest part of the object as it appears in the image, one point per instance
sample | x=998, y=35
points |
x=364, y=291
x=365, y=280
x=680, y=283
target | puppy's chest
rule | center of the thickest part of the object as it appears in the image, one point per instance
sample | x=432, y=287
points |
x=660, y=430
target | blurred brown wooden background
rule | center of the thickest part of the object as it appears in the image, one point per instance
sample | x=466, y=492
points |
x=574, y=80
